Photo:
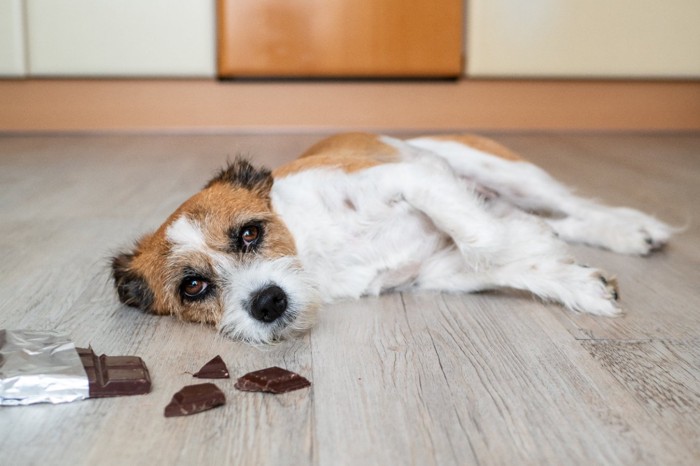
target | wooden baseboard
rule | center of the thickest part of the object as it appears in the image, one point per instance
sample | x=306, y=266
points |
x=208, y=105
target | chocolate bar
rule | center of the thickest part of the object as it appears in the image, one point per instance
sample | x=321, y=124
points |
x=194, y=399
x=114, y=375
x=271, y=380
x=214, y=369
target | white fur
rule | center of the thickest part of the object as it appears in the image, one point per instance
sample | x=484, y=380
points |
x=357, y=251
x=185, y=234
x=420, y=223
x=530, y=188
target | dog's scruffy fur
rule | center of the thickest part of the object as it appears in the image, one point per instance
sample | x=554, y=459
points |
x=255, y=253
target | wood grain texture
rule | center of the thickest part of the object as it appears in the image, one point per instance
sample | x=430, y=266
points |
x=663, y=376
x=346, y=38
x=491, y=378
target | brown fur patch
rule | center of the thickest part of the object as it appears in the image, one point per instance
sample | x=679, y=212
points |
x=148, y=260
x=481, y=143
x=350, y=152
x=351, y=144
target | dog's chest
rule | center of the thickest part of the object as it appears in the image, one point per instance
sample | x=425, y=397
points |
x=353, y=237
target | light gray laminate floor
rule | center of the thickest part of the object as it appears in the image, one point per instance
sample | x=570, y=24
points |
x=400, y=379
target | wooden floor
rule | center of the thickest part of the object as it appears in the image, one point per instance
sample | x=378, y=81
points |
x=400, y=379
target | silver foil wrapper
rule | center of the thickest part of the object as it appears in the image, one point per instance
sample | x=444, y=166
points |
x=40, y=367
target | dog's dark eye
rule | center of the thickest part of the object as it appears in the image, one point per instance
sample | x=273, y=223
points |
x=248, y=237
x=249, y=234
x=194, y=287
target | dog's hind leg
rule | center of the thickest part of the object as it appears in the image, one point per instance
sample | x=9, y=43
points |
x=514, y=250
x=557, y=279
x=526, y=261
x=531, y=189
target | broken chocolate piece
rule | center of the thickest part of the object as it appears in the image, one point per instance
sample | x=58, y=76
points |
x=214, y=369
x=114, y=375
x=194, y=399
x=272, y=380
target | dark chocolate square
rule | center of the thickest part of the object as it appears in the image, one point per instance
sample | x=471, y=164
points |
x=193, y=399
x=272, y=380
x=214, y=369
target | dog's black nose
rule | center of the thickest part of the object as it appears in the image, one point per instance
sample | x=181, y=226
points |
x=268, y=304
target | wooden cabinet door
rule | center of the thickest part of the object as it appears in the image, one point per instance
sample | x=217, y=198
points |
x=340, y=38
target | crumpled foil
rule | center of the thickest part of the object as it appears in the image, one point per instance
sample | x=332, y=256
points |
x=40, y=367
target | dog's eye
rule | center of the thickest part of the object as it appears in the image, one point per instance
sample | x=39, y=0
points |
x=249, y=234
x=248, y=237
x=194, y=287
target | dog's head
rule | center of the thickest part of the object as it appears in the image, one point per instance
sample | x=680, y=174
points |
x=223, y=257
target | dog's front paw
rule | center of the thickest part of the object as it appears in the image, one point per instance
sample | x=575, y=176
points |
x=632, y=232
x=621, y=230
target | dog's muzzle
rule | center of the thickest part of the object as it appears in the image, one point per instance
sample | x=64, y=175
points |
x=268, y=304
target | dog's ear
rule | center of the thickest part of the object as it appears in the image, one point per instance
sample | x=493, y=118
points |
x=241, y=173
x=130, y=284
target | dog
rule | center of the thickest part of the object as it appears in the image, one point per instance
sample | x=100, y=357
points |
x=255, y=253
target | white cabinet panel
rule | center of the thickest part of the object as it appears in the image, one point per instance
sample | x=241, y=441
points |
x=584, y=38
x=12, y=62
x=121, y=37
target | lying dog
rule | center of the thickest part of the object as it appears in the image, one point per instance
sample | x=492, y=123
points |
x=256, y=252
